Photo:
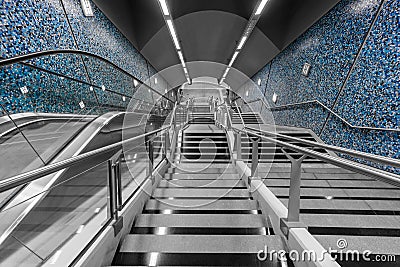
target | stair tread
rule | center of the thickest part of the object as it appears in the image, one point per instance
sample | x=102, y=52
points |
x=204, y=175
x=205, y=192
x=201, y=183
x=201, y=220
x=196, y=204
x=200, y=244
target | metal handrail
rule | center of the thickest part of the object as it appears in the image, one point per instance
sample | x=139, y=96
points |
x=30, y=176
x=368, y=156
x=240, y=114
x=21, y=58
x=173, y=117
x=383, y=176
x=315, y=101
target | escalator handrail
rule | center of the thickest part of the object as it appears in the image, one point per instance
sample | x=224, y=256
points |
x=30, y=176
x=367, y=156
x=22, y=58
x=380, y=175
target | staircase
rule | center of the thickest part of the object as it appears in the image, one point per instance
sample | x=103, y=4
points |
x=248, y=118
x=269, y=152
x=201, y=213
x=202, y=144
x=201, y=118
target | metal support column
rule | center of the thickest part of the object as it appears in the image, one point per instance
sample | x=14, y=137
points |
x=293, y=219
x=239, y=145
x=254, y=156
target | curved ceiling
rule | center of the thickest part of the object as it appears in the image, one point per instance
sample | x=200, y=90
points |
x=209, y=30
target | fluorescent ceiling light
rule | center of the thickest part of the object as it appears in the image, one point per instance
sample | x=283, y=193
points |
x=261, y=7
x=173, y=33
x=181, y=58
x=233, y=58
x=164, y=7
x=226, y=72
x=135, y=83
x=242, y=42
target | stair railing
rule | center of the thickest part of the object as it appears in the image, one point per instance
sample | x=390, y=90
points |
x=114, y=196
x=294, y=191
x=295, y=177
x=240, y=114
x=299, y=104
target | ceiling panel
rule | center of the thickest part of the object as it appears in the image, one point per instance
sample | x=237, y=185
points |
x=210, y=29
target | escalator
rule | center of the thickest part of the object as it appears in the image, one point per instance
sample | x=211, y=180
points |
x=47, y=212
x=29, y=141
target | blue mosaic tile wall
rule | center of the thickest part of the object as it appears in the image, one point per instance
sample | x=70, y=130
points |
x=35, y=25
x=371, y=97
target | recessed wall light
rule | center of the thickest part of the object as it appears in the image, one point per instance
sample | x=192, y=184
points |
x=274, y=97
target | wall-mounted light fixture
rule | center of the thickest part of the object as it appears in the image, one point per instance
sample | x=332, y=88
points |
x=82, y=105
x=274, y=98
x=87, y=8
x=24, y=90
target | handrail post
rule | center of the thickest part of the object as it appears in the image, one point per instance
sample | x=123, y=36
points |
x=112, y=191
x=166, y=144
x=294, y=191
x=118, y=176
x=293, y=218
x=151, y=160
x=295, y=187
x=254, y=156
x=238, y=145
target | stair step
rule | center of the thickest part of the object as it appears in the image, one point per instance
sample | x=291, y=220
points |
x=202, y=170
x=201, y=220
x=203, y=176
x=205, y=192
x=196, y=204
x=196, y=166
x=201, y=183
x=200, y=243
